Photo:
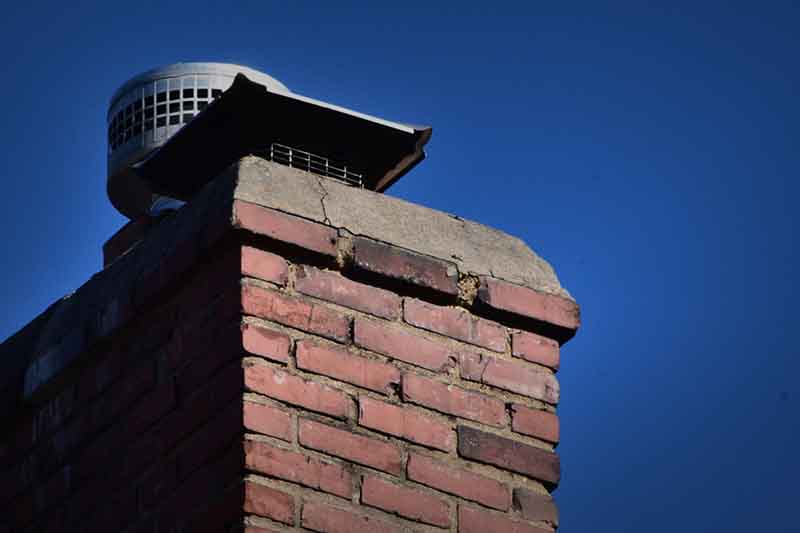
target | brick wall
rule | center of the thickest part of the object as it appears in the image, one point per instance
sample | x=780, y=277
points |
x=265, y=371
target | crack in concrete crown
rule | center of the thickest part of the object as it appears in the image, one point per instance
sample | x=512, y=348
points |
x=325, y=193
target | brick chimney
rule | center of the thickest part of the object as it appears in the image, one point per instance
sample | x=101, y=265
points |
x=289, y=353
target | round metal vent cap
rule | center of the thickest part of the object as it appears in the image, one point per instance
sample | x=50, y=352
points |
x=151, y=107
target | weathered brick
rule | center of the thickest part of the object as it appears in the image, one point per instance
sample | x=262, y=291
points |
x=536, y=506
x=406, y=423
x=505, y=296
x=458, y=481
x=404, y=265
x=513, y=376
x=298, y=468
x=508, y=454
x=268, y=502
x=264, y=265
x=292, y=389
x=391, y=341
x=472, y=520
x=535, y=348
x=268, y=420
x=295, y=312
x=456, y=323
x=266, y=343
x=340, y=364
x=453, y=400
x=378, y=454
x=535, y=422
x=325, y=518
x=286, y=228
x=405, y=501
x=334, y=287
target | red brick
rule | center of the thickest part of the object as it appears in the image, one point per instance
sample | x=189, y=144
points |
x=414, y=349
x=298, y=468
x=286, y=228
x=116, y=512
x=453, y=400
x=378, y=454
x=536, y=506
x=146, y=525
x=215, y=339
x=456, y=323
x=479, y=521
x=268, y=502
x=404, y=265
x=459, y=482
x=508, y=454
x=160, y=481
x=292, y=389
x=97, y=377
x=198, y=406
x=535, y=422
x=20, y=511
x=126, y=238
x=406, y=423
x=268, y=420
x=123, y=394
x=219, y=515
x=535, y=348
x=202, y=364
x=295, y=312
x=336, y=288
x=513, y=376
x=340, y=364
x=527, y=302
x=98, y=455
x=54, y=490
x=215, y=436
x=201, y=487
x=266, y=343
x=324, y=518
x=405, y=501
x=264, y=265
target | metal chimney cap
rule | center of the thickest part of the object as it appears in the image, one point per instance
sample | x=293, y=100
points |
x=174, y=128
x=197, y=67
x=151, y=107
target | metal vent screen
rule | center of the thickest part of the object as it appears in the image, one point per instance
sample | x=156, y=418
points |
x=157, y=106
x=292, y=157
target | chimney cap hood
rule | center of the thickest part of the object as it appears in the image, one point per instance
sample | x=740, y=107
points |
x=248, y=119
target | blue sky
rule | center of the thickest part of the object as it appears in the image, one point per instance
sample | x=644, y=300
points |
x=648, y=152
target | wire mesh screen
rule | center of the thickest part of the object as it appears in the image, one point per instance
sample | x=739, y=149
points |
x=292, y=157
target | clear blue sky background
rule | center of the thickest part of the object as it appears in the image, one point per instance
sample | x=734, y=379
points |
x=649, y=153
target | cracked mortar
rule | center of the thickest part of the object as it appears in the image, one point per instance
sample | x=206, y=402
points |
x=476, y=249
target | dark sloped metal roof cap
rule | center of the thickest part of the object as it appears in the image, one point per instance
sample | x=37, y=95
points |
x=247, y=119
